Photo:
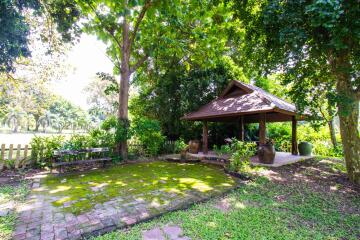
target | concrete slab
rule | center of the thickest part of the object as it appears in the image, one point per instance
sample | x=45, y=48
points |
x=281, y=159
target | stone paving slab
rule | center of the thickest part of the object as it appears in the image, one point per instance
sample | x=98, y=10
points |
x=169, y=232
x=39, y=219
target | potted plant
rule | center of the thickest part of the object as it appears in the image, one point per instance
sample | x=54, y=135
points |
x=266, y=152
x=194, y=146
x=181, y=147
x=305, y=148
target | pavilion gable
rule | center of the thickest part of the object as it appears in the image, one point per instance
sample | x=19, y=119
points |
x=239, y=98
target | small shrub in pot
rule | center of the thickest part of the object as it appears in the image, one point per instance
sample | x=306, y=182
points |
x=241, y=154
x=181, y=147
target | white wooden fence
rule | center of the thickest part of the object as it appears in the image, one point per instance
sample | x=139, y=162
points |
x=14, y=156
x=18, y=156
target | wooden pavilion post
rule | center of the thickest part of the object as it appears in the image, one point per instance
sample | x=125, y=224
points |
x=241, y=128
x=294, y=149
x=205, y=137
x=262, y=128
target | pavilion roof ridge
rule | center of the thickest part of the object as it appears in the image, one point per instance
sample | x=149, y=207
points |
x=270, y=98
x=248, y=100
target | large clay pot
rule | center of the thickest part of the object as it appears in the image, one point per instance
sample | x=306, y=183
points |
x=194, y=146
x=266, y=153
x=305, y=148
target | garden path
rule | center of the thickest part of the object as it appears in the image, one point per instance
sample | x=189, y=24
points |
x=40, y=219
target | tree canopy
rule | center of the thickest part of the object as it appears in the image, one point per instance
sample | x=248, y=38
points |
x=14, y=31
x=316, y=45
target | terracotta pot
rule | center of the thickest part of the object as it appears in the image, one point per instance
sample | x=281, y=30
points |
x=266, y=153
x=194, y=146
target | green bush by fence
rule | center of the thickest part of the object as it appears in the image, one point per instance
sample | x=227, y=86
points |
x=319, y=138
x=147, y=139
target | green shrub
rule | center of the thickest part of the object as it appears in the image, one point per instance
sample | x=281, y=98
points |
x=77, y=142
x=222, y=150
x=148, y=132
x=168, y=147
x=240, y=155
x=135, y=149
x=109, y=123
x=101, y=138
x=319, y=138
x=281, y=134
x=180, y=145
x=42, y=149
x=121, y=129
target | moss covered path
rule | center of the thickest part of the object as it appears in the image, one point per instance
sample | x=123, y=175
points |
x=80, y=204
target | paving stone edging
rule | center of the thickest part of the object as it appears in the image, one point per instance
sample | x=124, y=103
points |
x=184, y=206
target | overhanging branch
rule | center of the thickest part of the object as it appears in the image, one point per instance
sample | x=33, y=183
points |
x=139, y=63
x=110, y=32
x=139, y=19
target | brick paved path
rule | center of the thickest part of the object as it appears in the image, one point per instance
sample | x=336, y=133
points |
x=39, y=219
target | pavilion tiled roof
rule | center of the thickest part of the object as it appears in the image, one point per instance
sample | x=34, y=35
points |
x=251, y=100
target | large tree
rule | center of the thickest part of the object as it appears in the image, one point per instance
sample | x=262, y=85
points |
x=303, y=39
x=25, y=83
x=14, y=31
x=167, y=93
x=134, y=30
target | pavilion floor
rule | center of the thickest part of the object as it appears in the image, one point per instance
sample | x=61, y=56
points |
x=281, y=158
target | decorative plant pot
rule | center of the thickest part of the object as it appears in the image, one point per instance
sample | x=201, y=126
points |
x=194, y=146
x=305, y=148
x=266, y=153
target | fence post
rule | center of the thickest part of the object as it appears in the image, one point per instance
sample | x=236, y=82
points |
x=11, y=148
x=24, y=161
x=2, y=157
x=17, y=160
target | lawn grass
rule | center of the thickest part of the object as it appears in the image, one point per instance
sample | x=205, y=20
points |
x=79, y=193
x=7, y=224
x=17, y=194
x=297, y=204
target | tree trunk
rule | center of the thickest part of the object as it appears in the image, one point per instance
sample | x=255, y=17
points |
x=123, y=111
x=332, y=133
x=124, y=88
x=37, y=123
x=16, y=125
x=351, y=143
x=348, y=107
